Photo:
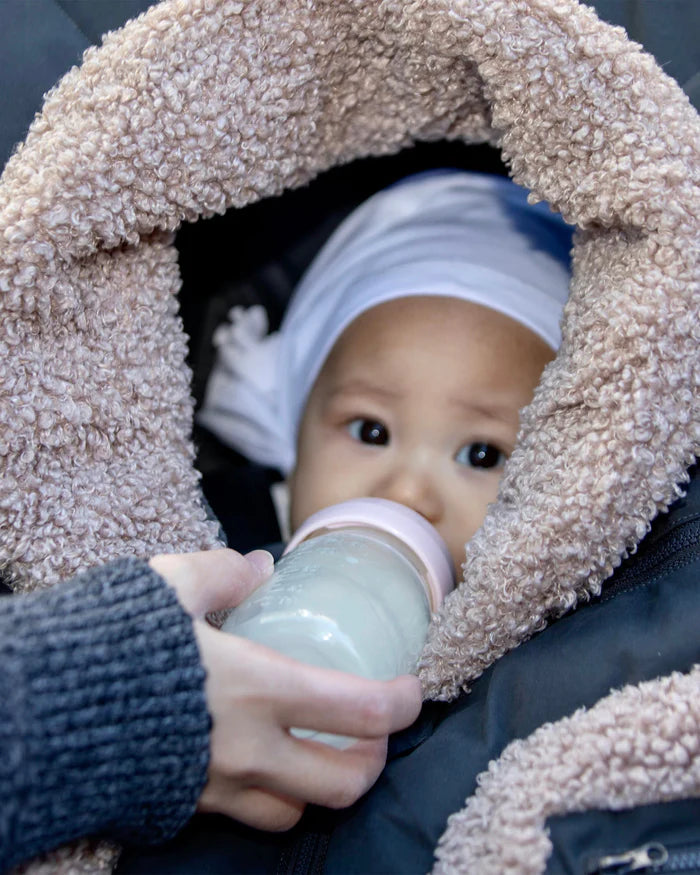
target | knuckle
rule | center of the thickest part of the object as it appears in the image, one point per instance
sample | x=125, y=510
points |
x=354, y=786
x=251, y=771
x=247, y=775
x=372, y=770
x=375, y=714
x=243, y=763
x=283, y=819
x=236, y=564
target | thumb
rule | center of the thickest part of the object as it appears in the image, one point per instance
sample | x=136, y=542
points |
x=213, y=580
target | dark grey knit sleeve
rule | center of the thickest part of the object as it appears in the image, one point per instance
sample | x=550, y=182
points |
x=103, y=721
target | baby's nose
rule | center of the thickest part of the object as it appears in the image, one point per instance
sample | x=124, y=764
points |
x=413, y=487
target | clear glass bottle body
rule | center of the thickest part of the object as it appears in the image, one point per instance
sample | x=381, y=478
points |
x=352, y=599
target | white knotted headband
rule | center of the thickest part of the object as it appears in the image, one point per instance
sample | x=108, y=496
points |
x=443, y=233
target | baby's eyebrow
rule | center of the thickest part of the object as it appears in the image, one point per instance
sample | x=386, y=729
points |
x=359, y=386
x=504, y=413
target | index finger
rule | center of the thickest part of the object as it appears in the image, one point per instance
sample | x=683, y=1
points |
x=212, y=580
x=337, y=702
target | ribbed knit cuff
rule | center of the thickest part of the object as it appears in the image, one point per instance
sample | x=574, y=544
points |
x=104, y=725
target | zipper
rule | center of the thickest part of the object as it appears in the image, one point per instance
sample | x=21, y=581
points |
x=306, y=855
x=678, y=547
x=652, y=857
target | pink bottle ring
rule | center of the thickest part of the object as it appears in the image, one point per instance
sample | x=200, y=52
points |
x=402, y=523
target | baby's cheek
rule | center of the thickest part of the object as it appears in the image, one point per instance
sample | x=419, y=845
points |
x=316, y=483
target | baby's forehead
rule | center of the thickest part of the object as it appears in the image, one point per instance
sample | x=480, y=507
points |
x=444, y=346
x=381, y=333
x=409, y=315
x=396, y=326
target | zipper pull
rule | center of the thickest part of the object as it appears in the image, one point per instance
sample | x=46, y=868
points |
x=648, y=856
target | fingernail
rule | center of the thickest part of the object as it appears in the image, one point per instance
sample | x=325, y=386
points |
x=262, y=561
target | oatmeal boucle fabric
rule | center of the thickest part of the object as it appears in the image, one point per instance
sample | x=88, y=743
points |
x=203, y=105
x=615, y=765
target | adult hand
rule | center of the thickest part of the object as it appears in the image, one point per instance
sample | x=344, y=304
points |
x=259, y=773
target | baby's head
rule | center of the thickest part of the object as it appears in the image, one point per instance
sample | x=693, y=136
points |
x=417, y=402
x=408, y=350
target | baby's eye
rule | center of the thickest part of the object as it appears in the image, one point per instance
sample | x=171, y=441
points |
x=369, y=431
x=481, y=455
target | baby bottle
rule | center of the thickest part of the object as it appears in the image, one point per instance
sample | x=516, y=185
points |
x=353, y=591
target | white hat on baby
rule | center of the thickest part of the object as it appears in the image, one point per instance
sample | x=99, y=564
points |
x=444, y=233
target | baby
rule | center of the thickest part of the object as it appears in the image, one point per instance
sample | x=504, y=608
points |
x=411, y=344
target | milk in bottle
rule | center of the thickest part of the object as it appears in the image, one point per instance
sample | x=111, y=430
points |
x=354, y=590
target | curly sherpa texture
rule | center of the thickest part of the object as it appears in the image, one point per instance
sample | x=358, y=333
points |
x=85, y=857
x=637, y=746
x=199, y=106
x=202, y=105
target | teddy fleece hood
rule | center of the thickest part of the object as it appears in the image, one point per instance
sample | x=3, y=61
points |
x=200, y=106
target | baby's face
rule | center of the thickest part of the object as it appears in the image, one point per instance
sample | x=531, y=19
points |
x=418, y=402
